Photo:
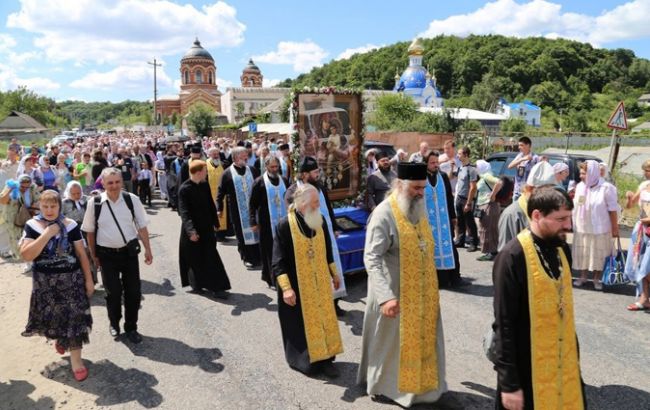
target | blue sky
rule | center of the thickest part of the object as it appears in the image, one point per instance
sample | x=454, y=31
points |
x=97, y=50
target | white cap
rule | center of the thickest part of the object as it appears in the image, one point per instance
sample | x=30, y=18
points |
x=541, y=174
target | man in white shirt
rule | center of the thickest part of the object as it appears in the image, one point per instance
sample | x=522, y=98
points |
x=421, y=154
x=113, y=244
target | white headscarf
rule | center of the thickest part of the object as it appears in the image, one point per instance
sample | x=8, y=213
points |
x=68, y=187
x=483, y=166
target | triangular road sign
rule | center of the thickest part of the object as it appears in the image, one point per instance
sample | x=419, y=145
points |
x=618, y=120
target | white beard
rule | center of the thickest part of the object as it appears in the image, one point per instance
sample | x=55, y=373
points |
x=413, y=209
x=313, y=219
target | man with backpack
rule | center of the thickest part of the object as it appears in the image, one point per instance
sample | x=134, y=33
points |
x=114, y=221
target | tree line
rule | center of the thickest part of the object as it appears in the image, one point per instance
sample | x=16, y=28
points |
x=576, y=85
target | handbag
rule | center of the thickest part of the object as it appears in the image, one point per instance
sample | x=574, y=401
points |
x=23, y=215
x=490, y=345
x=614, y=270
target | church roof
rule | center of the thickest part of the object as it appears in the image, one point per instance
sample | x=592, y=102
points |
x=18, y=121
x=251, y=67
x=197, y=52
x=413, y=77
x=416, y=47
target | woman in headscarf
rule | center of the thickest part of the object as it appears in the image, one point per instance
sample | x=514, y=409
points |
x=74, y=207
x=16, y=194
x=48, y=172
x=595, y=223
x=63, y=172
x=62, y=283
x=489, y=210
x=637, y=266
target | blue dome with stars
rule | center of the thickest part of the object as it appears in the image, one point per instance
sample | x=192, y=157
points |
x=413, y=77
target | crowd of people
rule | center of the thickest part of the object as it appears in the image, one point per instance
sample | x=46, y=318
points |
x=73, y=210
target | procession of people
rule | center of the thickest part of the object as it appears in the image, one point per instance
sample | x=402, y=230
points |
x=419, y=213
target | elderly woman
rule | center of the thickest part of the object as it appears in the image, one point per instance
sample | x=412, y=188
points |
x=489, y=210
x=63, y=172
x=18, y=200
x=637, y=265
x=595, y=223
x=62, y=284
x=49, y=173
x=74, y=207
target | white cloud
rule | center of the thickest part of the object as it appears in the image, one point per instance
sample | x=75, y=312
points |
x=223, y=84
x=545, y=18
x=302, y=55
x=6, y=42
x=10, y=80
x=358, y=50
x=129, y=76
x=270, y=82
x=110, y=31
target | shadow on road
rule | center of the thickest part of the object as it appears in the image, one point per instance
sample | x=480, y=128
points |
x=353, y=319
x=616, y=397
x=15, y=395
x=475, y=289
x=242, y=303
x=176, y=353
x=161, y=289
x=111, y=384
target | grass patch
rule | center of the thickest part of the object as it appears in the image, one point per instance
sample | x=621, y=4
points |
x=24, y=142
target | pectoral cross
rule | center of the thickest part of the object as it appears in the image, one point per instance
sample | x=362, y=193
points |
x=310, y=252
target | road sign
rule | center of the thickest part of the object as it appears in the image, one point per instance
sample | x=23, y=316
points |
x=252, y=126
x=618, y=120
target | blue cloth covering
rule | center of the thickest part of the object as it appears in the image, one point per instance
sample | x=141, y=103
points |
x=351, y=244
x=438, y=213
x=636, y=270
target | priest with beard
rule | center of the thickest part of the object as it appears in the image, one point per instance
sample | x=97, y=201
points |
x=304, y=269
x=200, y=263
x=267, y=206
x=236, y=187
x=536, y=347
x=403, y=351
x=442, y=218
x=380, y=181
x=309, y=175
x=216, y=164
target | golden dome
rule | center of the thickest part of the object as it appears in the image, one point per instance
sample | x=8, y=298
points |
x=416, y=48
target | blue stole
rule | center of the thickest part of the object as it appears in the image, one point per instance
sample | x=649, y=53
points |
x=243, y=188
x=177, y=167
x=275, y=201
x=335, y=247
x=438, y=213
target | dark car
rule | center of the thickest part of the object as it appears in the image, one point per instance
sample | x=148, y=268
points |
x=384, y=147
x=501, y=160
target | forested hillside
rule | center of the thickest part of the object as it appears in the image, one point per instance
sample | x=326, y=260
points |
x=574, y=82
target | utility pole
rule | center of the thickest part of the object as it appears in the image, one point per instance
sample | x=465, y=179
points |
x=155, y=90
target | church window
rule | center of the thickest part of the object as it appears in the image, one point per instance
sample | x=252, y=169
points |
x=198, y=76
x=186, y=77
x=210, y=77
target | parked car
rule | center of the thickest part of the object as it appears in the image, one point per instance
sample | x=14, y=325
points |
x=61, y=139
x=500, y=161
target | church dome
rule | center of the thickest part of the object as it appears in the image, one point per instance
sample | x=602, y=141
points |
x=416, y=48
x=251, y=68
x=414, y=77
x=197, y=52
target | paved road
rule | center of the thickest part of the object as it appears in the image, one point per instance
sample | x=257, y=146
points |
x=200, y=353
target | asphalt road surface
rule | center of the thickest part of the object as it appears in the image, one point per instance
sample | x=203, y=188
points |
x=201, y=353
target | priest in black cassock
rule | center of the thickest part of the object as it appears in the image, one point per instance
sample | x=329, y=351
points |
x=236, y=187
x=267, y=206
x=195, y=153
x=304, y=269
x=173, y=165
x=200, y=264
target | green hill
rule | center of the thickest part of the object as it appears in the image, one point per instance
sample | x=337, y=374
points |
x=575, y=83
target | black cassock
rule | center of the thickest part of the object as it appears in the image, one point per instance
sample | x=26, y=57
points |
x=200, y=263
x=512, y=319
x=227, y=196
x=291, y=322
x=173, y=179
x=259, y=215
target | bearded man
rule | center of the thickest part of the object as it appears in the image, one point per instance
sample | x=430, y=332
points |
x=380, y=181
x=403, y=353
x=236, y=186
x=536, y=347
x=303, y=266
x=267, y=207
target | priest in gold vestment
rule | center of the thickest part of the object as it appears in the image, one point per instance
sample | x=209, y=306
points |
x=536, y=347
x=304, y=269
x=403, y=352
